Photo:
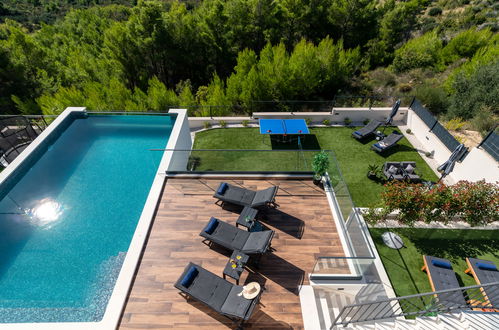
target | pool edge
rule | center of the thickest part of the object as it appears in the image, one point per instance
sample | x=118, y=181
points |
x=179, y=138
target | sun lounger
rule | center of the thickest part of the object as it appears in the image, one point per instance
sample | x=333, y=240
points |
x=216, y=293
x=233, y=238
x=245, y=197
x=484, y=272
x=442, y=277
x=387, y=143
x=367, y=130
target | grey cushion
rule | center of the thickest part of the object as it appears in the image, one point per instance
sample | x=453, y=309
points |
x=234, y=304
x=487, y=276
x=263, y=197
x=257, y=242
x=409, y=169
x=392, y=170
x=444, y=279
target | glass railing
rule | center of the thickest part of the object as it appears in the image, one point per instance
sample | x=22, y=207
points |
x=241, y=161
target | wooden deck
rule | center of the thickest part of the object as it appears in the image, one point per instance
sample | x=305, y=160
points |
x=304, y=230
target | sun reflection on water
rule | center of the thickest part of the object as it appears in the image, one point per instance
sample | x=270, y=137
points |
x=46, y=212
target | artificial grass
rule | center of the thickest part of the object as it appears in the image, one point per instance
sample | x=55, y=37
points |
x=404, y=266
x=352, y=156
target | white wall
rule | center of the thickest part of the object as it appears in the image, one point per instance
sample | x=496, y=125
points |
x=478, y=165
x=429, y=141
x=180, y=138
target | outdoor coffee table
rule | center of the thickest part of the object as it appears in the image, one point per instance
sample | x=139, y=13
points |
x=236, y=272
x=247, y=217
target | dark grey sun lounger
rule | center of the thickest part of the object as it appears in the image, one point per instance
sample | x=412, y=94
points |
x=387, y=143
x=245, y=197
x=484, y=272
x=217, y=293
x=442, y=277
x=233, y=238
x=367, y=130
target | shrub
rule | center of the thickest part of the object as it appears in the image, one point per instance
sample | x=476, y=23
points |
x=405, y=88
x=320, y=164
x=420, y=52
x=435, y=11
x=206, y=124
x=466, y=44
x=366, y=121
x=374, y=215
x=455, y=124
x=434, y=98
x=308, y=121
x=347, y=121
x=478, y=90
x=408, y=131
x=223, y=123
x=326, y=122
x=245, y=123
x=484, y=120
x=477, y=203
x=428, y=154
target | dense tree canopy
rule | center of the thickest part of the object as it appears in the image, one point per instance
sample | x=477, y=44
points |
x=155, y=54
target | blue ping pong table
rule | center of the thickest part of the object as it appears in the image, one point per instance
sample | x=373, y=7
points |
x=283, y=126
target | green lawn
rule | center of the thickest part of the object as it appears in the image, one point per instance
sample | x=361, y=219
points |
x=404, y=266
x=353, y=156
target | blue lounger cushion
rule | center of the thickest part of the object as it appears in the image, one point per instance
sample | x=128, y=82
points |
x=483, y=266
x=189, y=277
x=222, y=188
x=441, y=264
x=210, y=227
x=357, y=133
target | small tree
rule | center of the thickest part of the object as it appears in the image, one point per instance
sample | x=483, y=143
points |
x=320, y=164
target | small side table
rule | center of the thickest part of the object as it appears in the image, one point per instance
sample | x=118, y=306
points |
x=247, y=217
x=379, y=135
x=236, y=272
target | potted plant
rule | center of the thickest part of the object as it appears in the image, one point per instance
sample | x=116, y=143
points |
x=373, y=171
x=320, y=164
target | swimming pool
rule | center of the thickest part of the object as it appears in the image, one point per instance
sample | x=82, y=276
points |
x=68, y=215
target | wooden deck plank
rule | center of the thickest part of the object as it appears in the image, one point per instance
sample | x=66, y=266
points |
x=304, y=230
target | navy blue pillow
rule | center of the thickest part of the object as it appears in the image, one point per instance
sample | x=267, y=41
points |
x=189, y=277
x=210, y=227
x=441, y=264
x=222, y=188
x=356, y=133
x=483, y=266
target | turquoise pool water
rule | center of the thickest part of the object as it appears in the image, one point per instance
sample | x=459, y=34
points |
x=68, y=218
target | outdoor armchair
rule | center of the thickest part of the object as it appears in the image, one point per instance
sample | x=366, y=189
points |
x=246, y=197
x=393, y=171
x=409, y=171
x=216, y=293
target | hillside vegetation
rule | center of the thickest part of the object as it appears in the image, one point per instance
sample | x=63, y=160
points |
x=155, y=54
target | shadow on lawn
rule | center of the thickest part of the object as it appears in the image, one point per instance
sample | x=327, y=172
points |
x=308, y=142
x=456, y=249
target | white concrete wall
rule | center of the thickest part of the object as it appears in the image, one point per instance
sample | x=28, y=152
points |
x=478, y=165
x=180, y=139
x=429, y=141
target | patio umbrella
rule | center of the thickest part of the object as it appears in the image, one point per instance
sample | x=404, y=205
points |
x=393, y=113
x=448, y=166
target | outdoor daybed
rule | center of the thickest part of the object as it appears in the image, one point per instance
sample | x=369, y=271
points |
x=245, y=197
x=484, y=272
x=233, y=238
x=387, y=143
x=442, y=277
x=217, y=293
x=401, y=171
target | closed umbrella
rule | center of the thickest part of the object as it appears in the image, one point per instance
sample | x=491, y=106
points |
x=448, y=166
x=395, y=108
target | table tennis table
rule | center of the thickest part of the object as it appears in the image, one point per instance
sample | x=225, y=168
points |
x=283, y=127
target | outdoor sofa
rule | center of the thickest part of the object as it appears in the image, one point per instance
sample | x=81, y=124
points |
x=217, y=293
x=246, y=197
x=233, y=238
x=484, y=272
x=387, y=143
x=401, y=171
x=442, y=277
x=367, y=130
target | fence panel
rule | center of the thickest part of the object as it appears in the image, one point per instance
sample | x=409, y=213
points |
x=491, y=144
x=444, y=136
